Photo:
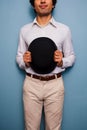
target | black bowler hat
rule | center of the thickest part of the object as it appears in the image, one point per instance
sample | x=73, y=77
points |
x=42, y=53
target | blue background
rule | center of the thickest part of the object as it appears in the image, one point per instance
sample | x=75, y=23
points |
x=13, y=15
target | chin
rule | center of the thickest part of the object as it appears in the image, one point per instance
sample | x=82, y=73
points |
x=44, y=14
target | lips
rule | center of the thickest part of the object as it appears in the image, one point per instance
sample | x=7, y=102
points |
x=43, y=6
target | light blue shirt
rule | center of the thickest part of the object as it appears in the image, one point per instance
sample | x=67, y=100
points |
x=56, y=31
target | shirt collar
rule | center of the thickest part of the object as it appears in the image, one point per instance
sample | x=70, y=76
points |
x=52, y=22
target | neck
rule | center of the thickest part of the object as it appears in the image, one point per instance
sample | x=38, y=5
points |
x=43, y=20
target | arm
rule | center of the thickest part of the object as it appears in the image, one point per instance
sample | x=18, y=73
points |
x=66, y=58
x=23, y=57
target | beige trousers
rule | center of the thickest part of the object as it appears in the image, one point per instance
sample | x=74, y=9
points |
x=37, y=94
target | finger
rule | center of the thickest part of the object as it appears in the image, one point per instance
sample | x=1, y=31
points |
x=27, y=53
x=56, y=52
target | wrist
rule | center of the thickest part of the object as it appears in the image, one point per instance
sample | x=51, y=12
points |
x=60, y=64
x=27, y=64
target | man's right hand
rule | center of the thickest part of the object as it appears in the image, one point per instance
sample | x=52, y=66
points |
x=27, y=57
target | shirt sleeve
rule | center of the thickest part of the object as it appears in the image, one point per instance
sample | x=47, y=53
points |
x=22, y=48
x=68, y=51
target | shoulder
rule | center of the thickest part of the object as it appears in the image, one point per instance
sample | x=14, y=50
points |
x=25, y=28
x=62, y=26
x=63, y=29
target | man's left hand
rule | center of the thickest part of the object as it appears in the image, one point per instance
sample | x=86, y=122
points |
x=58, y=58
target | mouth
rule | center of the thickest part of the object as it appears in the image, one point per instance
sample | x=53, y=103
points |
x=42, y=6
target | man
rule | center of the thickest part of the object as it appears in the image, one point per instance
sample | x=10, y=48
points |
x=44, y=89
